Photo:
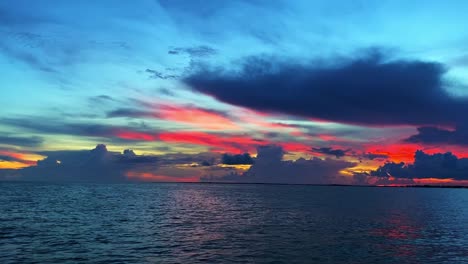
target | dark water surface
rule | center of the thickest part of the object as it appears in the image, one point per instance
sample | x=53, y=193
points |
x=217, y=223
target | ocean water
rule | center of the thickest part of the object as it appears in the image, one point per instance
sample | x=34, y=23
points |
x=237, y=223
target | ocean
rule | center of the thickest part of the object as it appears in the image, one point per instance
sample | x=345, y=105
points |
x=231, y=223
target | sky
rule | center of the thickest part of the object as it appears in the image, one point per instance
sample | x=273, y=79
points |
x=315, y=92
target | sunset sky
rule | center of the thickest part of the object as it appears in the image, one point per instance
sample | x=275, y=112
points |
x=312, y=92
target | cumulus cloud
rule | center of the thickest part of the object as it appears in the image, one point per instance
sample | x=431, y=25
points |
x=237, y=159
x=269, y=167
x=439, y=165
x=369, y=90
x=96, y=165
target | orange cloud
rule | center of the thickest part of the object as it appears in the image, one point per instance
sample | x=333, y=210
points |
x=19, y=160
x=13, y=165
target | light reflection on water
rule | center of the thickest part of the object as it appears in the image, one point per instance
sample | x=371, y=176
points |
x=191, y=223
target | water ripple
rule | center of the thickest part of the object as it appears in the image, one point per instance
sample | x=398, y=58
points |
x=195, y=223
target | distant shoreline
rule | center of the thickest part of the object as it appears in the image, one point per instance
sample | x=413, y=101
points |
x=339, y=185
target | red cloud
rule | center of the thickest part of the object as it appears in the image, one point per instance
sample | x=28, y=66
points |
x=17, y=156
x=295, y=147
x=131, y=135
x=404, y=152
x=19, y=160
x=325, y=137
x=219, y=142
x=203, y=118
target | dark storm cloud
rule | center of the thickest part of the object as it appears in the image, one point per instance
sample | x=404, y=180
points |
x=34, y=141
x=333, y=152
x=439, y=165
x=236, y=159
x=270, y=168
x=97, y=165
x=369, y=90
x=435, y=135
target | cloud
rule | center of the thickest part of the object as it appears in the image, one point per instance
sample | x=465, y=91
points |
x=26, y=57
x=34, y=141
x=203, y=159
x=270, y=168
x=159, y=75
x=38, y=124
x=101, y=99
x=30, y=38
x=130, y=112
x=435, y=135
x=216, y=21
x=55, y=126
x=236, y=159
x=373, y=156
x=217, y=142
x=333, y=152
x=437, y=166
x=186, y=114
x=96, y=165
x=198, y=51
x=368, y=89
x=7, y=158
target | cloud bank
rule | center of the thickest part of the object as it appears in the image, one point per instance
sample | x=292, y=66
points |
x=439, y=165
x=237, y=159
x=269, y=167
x=97, y=165
x=338, y=153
